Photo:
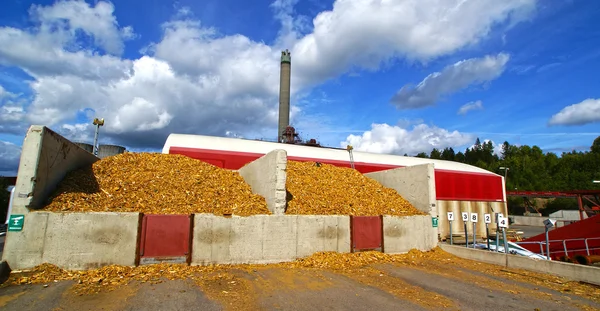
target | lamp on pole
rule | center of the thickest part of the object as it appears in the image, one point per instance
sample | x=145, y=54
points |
x=98, y=123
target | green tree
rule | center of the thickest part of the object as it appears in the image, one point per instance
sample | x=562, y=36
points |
x=435, y=154
x=448, y=154
x=422, y=155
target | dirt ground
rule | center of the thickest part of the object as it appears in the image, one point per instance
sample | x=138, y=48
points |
x=416, y=281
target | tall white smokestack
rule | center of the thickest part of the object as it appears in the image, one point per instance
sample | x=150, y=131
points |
x=284, y=93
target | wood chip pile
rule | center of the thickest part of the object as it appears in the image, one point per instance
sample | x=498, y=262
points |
x=324, y=189
x=155, y=183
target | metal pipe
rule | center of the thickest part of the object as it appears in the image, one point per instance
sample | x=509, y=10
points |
x=487, y=235
x=505, y=240
x=587, y=248
x=451, y=242
x=565, y=247
x=466, y=235
x=497, y=234
x=474, y=232
x=547, y=245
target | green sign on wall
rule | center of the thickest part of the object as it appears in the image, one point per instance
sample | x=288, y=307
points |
x=434, y=222
x=15, y=223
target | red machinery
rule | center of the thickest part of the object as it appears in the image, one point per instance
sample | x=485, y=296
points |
x=579, y=238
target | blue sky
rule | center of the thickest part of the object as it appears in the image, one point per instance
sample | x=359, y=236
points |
x=389, y=78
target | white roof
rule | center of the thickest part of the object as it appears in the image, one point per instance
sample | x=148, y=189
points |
x=263, y=147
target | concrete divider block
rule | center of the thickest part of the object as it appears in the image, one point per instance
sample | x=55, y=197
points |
x=46, y=158
x=74, y=241
x=570, y=271
x=310, y=229
x=267, y=177
x=343, y=234
x=414, y=183
x=401, y=234
x=476, y=254
x=24, y=249
x=266, y=238
x=323, y=234
x=280, y=236
x=246, y=239
x=80, y=241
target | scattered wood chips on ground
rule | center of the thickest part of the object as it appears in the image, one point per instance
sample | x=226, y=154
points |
x=111, y=277
x=324, y=189
x=155, y=183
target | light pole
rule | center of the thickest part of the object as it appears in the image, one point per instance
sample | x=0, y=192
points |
x=98, y=123
x=505, y=171
x=548, y=223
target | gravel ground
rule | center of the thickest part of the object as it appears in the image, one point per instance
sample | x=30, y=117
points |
x=445, y=284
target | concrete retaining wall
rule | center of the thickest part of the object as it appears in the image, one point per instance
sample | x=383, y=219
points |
x=46, y=158
x=267, y=176
x=527, y=220
x=414, y=183
x=401, y=234
x=266, y=238
x=567, y=270
x=73, y=241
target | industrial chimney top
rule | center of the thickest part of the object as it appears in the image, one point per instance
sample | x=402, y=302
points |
x=286, y=57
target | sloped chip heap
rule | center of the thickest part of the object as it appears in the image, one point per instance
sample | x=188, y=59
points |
x=155, y=183
x=323, y=189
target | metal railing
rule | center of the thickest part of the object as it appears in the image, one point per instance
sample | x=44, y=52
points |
x=564, y=243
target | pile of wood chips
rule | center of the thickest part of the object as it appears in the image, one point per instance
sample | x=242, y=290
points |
x=324, y=189
x=155, y=183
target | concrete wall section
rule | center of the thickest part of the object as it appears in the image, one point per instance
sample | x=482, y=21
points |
x=401, y=234
x=267, y=177
x=476, y=254
x=46, y=158
x=24, y=249
x=527, y=220
x=74, y=241
x=414, y=183
x=567, y=270
x=323, y=233
x=266, y=239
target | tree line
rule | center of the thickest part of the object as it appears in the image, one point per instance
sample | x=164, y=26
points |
x=531, y=169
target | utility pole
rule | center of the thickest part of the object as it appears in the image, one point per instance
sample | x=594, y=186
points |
x=98, y=123
x=505, y=171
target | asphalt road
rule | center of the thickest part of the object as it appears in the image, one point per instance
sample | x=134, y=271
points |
x=444, y=284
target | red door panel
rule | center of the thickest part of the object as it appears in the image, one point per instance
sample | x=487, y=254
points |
x=367, y=233
x=165, y=238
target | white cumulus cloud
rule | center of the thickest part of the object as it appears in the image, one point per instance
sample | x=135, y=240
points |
x=194, y=79
x=451, y=79
x=388, y=139
x=587, y=111
x=10, y=155
x=368, y=33
x=476, y=105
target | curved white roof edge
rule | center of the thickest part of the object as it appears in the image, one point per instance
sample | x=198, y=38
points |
x=263, y=147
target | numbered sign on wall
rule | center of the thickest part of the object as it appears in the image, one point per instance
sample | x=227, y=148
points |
x=487, y=218
x=473, y=217
x=465, y=216
x=450, y=216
